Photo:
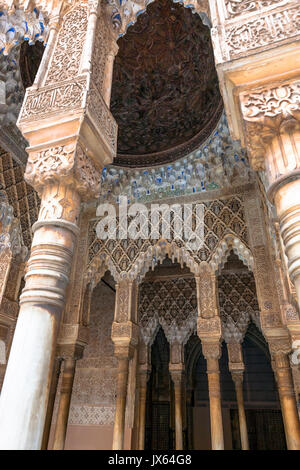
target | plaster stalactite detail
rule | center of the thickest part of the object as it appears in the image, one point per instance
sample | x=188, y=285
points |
x=42, y=5
x=12, y=90
x=65, y=63
x=19, y=25
x=20, y=195
x=219, y=163
x=125, y=14
x=11, y=235
x=172, y=304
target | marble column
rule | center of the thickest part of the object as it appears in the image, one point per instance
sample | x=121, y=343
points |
x=284, y=380
x=236, y=367
x=212, y=354
x=23, y=402
x=177, y=378
x=64, y=403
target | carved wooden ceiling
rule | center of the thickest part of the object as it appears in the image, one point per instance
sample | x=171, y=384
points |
x=165, y=94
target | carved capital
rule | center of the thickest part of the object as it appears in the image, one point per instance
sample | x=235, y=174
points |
x=70, y=351
x=209, y=328
x=237, y=377
x=211, y=349
x=69, y=164
x=64, y=117
x=125, y=338
x=73, y=334
x=279, y=346
x=272, y=124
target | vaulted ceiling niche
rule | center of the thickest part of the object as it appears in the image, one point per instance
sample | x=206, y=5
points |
x=165, y=93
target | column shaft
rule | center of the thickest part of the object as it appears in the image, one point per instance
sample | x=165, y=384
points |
x=52, y=395
x=119, y=425
x=178, y=415
x=216, y=423
x=238, y=382
x=64, y=403
x=142, y=415
x=288, y=401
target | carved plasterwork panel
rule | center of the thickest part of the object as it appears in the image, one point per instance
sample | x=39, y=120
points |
x=93, y=397
x=239, y=7
x=129, y=256
x=65, y=63
x=246, y=27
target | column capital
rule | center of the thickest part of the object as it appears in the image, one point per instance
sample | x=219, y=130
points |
x=272, y=123
x=237, y=377
x=125, y=338
x=211, y=349
x=69, y=163
x=279, y=346
x=70, y=351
